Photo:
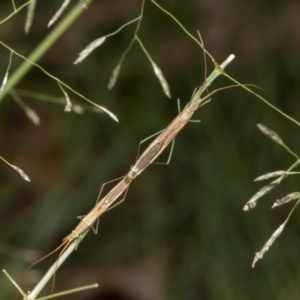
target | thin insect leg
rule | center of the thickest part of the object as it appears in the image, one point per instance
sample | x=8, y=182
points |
x=41, y=259
x=204, y=56
x=169, y=157
x=116, y=204
x=202, y=104
x=95, y=230
x=205, y=102
x=178, y=106
x=205, y=62
x=104, y=184
x=145, y=140
x=171, y=152
x=206, y=99
x=151, y=136
x=194, y=92
x=179, y=111
x=95, y=227
x=198, y=121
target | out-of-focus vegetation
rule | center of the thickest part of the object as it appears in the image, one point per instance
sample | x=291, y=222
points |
x=181, y=232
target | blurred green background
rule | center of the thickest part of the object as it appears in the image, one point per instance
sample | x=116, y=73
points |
x=181, y=232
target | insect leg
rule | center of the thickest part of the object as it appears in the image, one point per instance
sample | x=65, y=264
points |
x=145, y=140
x=95, y=227
x=169, y=157
x=116, y=204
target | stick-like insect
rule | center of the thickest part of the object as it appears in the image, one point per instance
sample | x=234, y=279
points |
x=147, y=157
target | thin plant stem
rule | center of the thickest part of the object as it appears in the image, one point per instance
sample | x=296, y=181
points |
x=123, y=26
x=290, y=151
x=14, y=12
x=144, y=49
x=15, y=284
x=184, y=29
x=27, y=64
x=264, y=100
x=40, y=51
x=54, y=99
x=135, y=34
x=64, y=293
x=14, y=5
x=68, y=292
x=229, y=77
x=38, y=288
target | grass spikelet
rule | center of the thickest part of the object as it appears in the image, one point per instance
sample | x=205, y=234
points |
x=275, y=137
x=4, y=82
x=114, y=77
x=109, y=113
x=59, y=12
x=263, y=191
x=84, y=4
x=268, y=244
x=77, y=109
x=270, y=133
x=275, y=174
x=29, y=16
x=157, y=71
x=68, y=106
x=20, y=171
x=30, y=113
x=159, y=74
x=286, y=199
x=271, y=240
x=89, y=48
x=5, y=79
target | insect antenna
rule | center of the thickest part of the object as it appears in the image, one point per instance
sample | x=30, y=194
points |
x=65, y=243
x=228, y=87
x=205, y=61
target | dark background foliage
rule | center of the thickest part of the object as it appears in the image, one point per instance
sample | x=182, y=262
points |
x=181, y=233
